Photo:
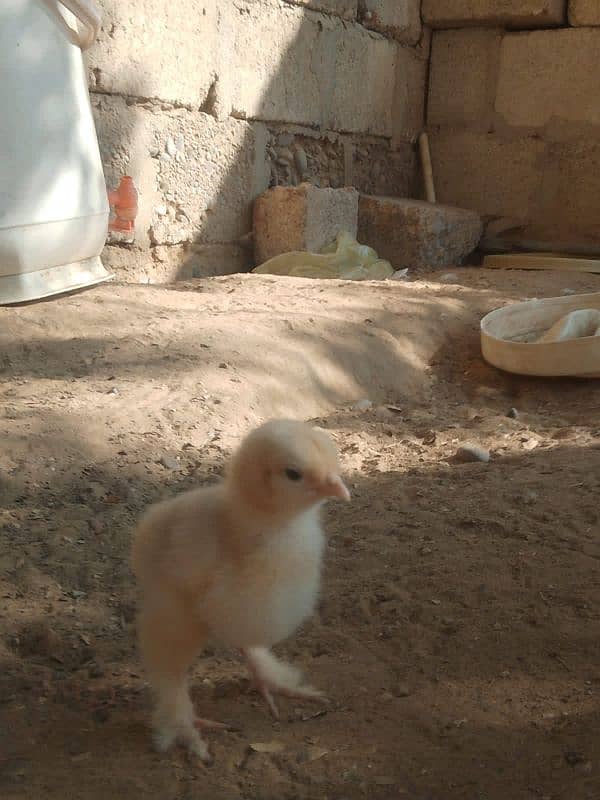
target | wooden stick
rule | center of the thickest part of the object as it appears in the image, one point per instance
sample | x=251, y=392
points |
x=501, y=243
x=426, y=167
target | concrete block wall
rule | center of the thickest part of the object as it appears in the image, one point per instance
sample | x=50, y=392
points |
x=206, y=103
x=513, y=111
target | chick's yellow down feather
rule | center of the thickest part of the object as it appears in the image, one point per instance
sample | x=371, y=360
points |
x=239, y=563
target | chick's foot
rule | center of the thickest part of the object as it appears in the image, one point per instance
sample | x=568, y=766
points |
x=272, y=676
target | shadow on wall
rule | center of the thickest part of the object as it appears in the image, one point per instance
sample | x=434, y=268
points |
x=201, y=157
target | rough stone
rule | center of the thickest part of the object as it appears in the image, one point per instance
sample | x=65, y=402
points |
x=400, y=20
x=549, y=75
x=205, y=191
x=380, y=169
x=469, y=452
x=584, y=12
x=413, y=234
x=298, y=155
x=462, y=78
x=373, y=165
x=502, y=13
x=486, y=173
x=301, y=218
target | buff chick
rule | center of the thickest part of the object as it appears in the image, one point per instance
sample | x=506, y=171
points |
x=238, y=563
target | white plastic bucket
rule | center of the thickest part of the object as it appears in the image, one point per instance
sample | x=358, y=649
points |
x=53, y=202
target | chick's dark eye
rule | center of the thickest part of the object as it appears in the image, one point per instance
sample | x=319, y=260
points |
x=293, y=474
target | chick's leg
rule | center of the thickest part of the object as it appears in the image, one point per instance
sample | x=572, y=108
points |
x=276, y=677
x=169, y=642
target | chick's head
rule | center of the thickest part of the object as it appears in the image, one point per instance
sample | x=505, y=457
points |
x=285, y=467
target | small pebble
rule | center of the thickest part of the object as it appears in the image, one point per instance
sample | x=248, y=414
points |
x=568, y=291
x=170, y=146
x=96, y=671
x=362, y=405
x=301, y=161
x=402, y=690
x=400, y=275
x=285, y=139
x=530, y=444
x=449, y=277
x=489, y=392
x=40, y=639
x=469, y=452
x=574, y=757
x=383, y=414
x=96, y=489
x=169, y=463
x=100, y=715
x=512, y=413
x=96, y=525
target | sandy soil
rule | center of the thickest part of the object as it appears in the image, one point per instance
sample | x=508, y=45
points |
x=459, y=631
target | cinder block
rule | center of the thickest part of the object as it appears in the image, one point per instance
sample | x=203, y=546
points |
x=409, y=96
x=301, y=218
x=462, y=77
x=170, y=263
x=317, y=70
x=496, y=13
x=549, y=75
x=187, y=261
x=402, y=20
x=584, y=12
x=137, y=264
x=197, y=177
x=254, y=59
x=417, y=235
x=487, y=174
x=149, y=48
x=207, y=260
x=363, y=89
x=281, y=62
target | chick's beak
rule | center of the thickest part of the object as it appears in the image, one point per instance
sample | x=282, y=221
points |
x=334, y=486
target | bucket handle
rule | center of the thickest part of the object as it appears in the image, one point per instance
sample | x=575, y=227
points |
x=88, y=14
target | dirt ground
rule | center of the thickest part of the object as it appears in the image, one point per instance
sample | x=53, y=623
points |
x=459, y=631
